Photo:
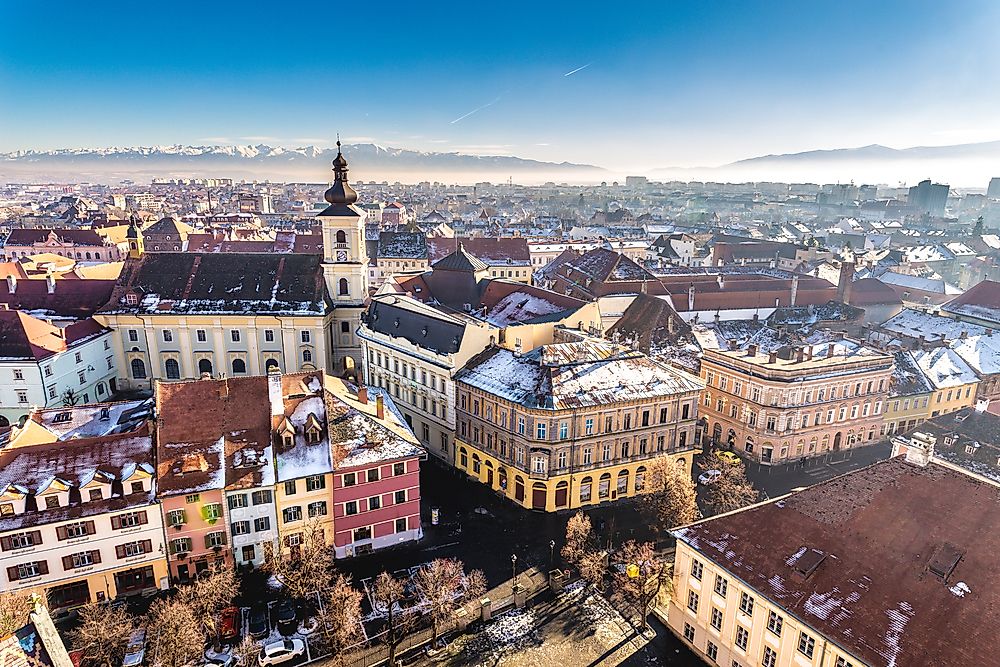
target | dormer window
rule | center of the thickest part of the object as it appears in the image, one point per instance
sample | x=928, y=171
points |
x=288, y=441
x=6, y=509
x=138, y=487
x=51, y=502
x=313, y=436
x=313, y=429
x=96, y=494
x=131, y=299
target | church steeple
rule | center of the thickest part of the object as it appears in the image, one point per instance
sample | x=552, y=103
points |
x=341, y=191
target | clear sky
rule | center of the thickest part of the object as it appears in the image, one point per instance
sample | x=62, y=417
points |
x=656, y=84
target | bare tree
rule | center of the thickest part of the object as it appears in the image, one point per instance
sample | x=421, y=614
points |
x=339, y=615
x=670, y=498
x=245, y=653
x=308, y=568
x=443, y=586
x=639, y=574
x=174, y=633
x=579, y=538
x=209, y=595
x=388, y=593
x=593, y=567
x=15, y=608
x=731, y=490
x=103, y=634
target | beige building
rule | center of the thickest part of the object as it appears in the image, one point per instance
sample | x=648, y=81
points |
x=571, y=424
x=888, y=565
x=773, y=402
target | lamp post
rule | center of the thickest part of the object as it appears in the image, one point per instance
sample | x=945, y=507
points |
x=513, y=567
x=552, y=554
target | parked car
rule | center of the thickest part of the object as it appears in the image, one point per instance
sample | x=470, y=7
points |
x=729, y=457
x=135, y=650
x=220, y=660
x=277, y=653
x=258, y=625
x=709, y=476
x=229, y=623
x=285, y=617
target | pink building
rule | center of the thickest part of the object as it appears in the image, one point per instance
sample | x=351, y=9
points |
x=376, y=477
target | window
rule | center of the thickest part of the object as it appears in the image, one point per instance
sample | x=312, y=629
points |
x=262, y=497
x=216, y=539
x=18, y=374
x=95, y=494
x=249, y=553
x=176, y=517
x=268, y=335
x=24, y=540
x=689, y=632
x=716, y=618
x=28, y=570
x=291, y=514
x=134, y=549
x=398, y=469
x=305, y=336
x=237, y=501
x=52, y=392
x=261, y=524
x=235, y=335
x=241, y=528
x=290, y=487
x=343, y=289
x=133, y=337
x=770, y=658
x=693, y=601
x=540, y=428
x=307, y=356
x=774, y=622
x=317, y=509
x=712, y=651
x=746, y=604
x=173, y=369
x=239, y=367
x=212, y=511
x=401, y=526
x=168, y=335
x=742, y=636
x=201, y=335
x=138, y=369
x=561, y=459
x=364, y=533
x=520, y=425
x=372, y=474
x=6, y=509
x=351, y=507
x=315, y=483
x=807, y=645
x=350, y=479
x=137, y=487
x=192, y=498
x=589, y=426
x=374, y=503
x=697, y=568
x=399, y=497
x=843, y=662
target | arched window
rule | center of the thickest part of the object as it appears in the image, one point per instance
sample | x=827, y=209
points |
x=138, y=369
x=341, y=236
x=307, y=356
x=342, y=287
x=640, y=478
x=205, y=366
x=97, y=255
x=87, y=255
x=239, y=367
x=271, y=363
x=173, y=369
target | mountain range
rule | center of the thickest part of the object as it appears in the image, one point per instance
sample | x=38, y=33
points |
x=964, y=165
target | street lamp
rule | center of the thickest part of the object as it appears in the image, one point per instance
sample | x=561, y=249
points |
x=513, y=567
x=552, y=554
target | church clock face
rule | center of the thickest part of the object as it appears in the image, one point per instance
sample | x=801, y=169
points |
x=341, y=255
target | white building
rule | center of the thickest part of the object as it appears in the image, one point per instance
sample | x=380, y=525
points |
x=42, y=365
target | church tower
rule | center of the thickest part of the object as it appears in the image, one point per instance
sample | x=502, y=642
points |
x=134, y=238
x=345, y=267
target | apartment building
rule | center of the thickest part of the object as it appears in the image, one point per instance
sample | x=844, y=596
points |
x=43, y=365
x=858, y=571
x=954, y=382
x=774, y=401
x=79, y=521
x=571, y=424
x=376, y=480
x=84, y=244
x=908, y=400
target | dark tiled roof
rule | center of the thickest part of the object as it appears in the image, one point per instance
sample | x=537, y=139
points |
x=32, y=236
x=874, y=593
x=435, y=333
x=402, y=245
x=71, y=299
x=512, y=250
x=981, y=301
x=649, y=323
x=221, y=283
x=460, y=260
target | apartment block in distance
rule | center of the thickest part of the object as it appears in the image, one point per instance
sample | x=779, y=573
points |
x=571, y=424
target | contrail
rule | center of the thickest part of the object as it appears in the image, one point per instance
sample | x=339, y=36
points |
x=476, y=110
x=572, y=72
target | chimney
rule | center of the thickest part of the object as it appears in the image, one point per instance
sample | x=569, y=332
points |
x=691, y=297
x=844, y=283
x=363, y=395
x=829, y=351
x=722, y=281
x=756, y=317
x=772, y=357
x=989, y=332
x=50, y=282
x=379, y=407
x=963, y=335
x=809, y=353
x=274, y=392
x=795, y=290
x=11, y=283
x=800, y=354
x=732, y=344
x=717, y=317
x=752, y=350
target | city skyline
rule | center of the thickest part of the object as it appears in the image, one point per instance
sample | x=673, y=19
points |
x=664, y=86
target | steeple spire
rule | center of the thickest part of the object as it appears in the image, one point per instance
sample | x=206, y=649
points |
x=341, y=191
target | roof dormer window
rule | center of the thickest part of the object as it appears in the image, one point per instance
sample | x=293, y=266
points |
x=51, y=502
x=95, y=494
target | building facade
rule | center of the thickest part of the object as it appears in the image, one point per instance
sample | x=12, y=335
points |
x=571, y=424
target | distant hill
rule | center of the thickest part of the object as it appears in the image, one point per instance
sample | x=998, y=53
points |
x=368, y=162
x=970, y=165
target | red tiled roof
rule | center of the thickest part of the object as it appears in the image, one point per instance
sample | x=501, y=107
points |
x=76, y=236
x=879, y=532
x=71, y=298
x=981, y=301
x=871, y=291
x=25, y=337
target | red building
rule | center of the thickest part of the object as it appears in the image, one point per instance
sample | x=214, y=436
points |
x=376, y=477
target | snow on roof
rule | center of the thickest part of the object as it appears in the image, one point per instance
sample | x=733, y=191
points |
x=935, y=285
x=358, y=437
x=93, y=420
x=520, y=307
x=944, y=368
x=304, y=458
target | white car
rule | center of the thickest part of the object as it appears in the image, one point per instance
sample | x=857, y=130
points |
x=276, y=653
x=709, y=476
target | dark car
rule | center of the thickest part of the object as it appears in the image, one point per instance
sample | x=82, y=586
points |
x=258, y=625
x=285, y=617
x=229, y=625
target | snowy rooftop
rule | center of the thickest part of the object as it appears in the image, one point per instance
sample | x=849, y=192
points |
x=93, y=420
x=944, y=368
x=304, y=458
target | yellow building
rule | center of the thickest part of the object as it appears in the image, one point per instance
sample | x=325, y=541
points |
x=571, y=424
x=953, y=381
x=908, y=401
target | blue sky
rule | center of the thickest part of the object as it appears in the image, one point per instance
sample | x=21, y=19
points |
x=663, y=83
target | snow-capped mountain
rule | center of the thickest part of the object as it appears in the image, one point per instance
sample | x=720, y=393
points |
x=308, y=163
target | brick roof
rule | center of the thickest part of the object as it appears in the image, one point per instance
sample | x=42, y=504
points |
x=25, y=337
x=981, y=301
x=879, y=531
x=71, y=298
